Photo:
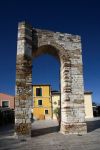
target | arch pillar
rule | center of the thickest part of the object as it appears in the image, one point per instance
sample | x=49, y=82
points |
x=72, y=97
x=23, y=99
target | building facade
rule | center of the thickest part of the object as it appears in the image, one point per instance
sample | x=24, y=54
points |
x=56, y=100
x=7, y=101
x=87, y=103
x=42, y=102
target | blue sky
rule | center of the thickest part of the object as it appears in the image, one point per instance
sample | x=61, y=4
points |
x=80, y=17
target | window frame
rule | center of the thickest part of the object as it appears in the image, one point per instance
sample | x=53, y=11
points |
x=45, y=112
x=37, y=93
x=5, y=101
x=41, y=101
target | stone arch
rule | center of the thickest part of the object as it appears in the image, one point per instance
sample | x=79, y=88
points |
x=46, y=49
x=67, y=49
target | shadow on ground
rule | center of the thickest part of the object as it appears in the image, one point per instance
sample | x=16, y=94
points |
x=7, y=129
x=93, y=125
x=42, y=131
x=9, y=142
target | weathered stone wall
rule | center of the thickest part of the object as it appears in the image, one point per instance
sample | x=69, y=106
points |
x=67, y=48
x=72, y=92
x=23, y=100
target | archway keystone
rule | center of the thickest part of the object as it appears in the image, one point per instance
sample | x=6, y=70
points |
x=67, y=48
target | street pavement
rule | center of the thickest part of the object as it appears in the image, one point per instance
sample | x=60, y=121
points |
x=46, y=136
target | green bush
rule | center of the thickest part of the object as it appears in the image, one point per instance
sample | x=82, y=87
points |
x=57, y=112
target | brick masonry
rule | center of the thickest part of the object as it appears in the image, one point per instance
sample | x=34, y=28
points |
x=67, y=49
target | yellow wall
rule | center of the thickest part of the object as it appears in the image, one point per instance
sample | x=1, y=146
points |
x=88, y=106
x=39, y=111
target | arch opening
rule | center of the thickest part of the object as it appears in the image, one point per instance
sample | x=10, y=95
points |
x=46, y=75
x=46, y=49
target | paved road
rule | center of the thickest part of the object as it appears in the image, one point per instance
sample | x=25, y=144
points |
x=46, y=137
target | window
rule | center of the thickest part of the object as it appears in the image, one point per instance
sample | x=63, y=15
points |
x=46, y=112
x=5, y=104
x=38, y=91
x=40, y=102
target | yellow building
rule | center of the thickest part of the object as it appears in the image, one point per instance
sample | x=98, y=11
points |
x=42, y=102
x=45, y=102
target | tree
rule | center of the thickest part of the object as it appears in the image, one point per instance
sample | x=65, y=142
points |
x=57, y=113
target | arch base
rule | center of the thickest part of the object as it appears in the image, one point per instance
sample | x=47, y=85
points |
x=73, y=128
